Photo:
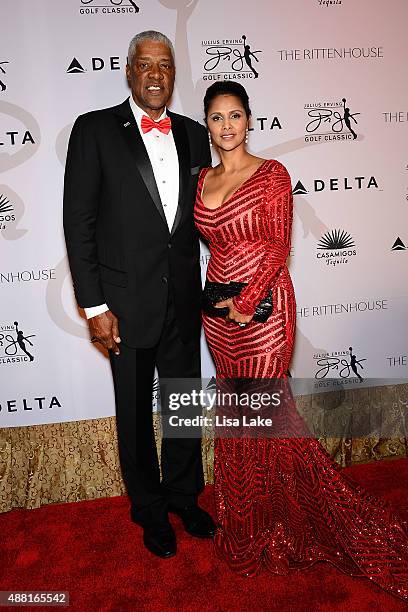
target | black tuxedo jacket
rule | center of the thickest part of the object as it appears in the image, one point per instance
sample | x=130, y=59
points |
x=119, y=246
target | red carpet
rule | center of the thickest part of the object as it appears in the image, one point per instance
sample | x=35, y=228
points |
x=93, y=551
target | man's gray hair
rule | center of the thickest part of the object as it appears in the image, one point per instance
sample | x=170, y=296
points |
x=148, y=35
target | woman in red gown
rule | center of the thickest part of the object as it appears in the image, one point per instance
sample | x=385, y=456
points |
x=281, y=501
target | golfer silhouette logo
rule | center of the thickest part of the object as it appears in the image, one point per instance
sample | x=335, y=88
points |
x=354, y=363
x=20, y=341
x=248, y=54
x=347, y=116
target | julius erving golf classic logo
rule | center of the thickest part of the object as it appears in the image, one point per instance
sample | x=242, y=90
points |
x=339, y=364
x=108, y=7
x=330, y=120
x=230, y=59
x=16, y=345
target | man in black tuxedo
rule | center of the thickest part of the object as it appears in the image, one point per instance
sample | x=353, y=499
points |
x=130, y=184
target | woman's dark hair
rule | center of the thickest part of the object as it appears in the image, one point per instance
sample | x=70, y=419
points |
x=223, y=88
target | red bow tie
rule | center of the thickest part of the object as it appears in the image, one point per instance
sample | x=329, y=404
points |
x=147, y=124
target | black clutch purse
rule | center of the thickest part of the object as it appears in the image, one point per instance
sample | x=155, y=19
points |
x=218, y=292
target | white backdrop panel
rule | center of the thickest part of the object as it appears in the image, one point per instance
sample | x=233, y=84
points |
x=61, y=59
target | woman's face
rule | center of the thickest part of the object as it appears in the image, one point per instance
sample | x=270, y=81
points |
x=227, y=122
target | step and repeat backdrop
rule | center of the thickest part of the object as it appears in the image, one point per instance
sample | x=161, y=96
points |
x=328, y=91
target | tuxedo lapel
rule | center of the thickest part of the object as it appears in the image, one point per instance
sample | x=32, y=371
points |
x=183, y=154
x=138, y=151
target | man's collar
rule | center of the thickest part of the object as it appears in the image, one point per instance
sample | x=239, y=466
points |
x=139, y=112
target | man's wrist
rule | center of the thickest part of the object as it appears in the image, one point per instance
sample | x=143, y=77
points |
x=93, y=311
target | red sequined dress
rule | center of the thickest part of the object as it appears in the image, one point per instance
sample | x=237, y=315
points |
x=281, y=502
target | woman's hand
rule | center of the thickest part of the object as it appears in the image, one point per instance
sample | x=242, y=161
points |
x=233, y=314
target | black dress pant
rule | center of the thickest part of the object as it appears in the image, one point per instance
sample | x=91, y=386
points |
x=181, y=463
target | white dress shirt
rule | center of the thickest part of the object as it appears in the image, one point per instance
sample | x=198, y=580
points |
x=162, y=153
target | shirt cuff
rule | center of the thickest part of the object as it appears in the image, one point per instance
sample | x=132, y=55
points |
x=93, y=311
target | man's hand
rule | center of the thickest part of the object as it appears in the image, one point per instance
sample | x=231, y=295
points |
x=104, y=328
x=233, y=314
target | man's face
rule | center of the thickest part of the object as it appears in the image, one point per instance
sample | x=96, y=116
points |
x=151, y=76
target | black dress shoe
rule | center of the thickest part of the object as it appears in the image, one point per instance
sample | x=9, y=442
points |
x=160, y=539
x=153, y=514
x=197, y=522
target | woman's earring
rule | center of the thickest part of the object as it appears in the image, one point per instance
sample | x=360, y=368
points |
x=246, y=136
x=209, y=139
